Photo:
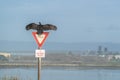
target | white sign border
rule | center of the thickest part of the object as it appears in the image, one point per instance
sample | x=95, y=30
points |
x=40, y=53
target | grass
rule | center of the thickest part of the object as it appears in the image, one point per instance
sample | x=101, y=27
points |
x=13, y=78
x=9, y=78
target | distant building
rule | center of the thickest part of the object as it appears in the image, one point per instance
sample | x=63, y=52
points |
x=7, y=55
x=113, y=57
x=117, y=56
x=99, y=49
x=105, y=49
x=4, y=56
x=110, y=57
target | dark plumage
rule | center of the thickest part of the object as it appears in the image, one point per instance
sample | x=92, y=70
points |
x=40, y=28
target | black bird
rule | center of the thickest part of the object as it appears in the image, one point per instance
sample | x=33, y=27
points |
x=40, y=28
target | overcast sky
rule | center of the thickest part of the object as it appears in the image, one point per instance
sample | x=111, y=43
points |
x=77, y=20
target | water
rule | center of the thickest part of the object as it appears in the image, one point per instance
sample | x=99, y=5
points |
x=62, y=74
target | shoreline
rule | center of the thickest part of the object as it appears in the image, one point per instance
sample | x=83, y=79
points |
x=34, y=65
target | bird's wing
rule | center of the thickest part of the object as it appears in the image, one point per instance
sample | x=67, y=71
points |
x=49, y=27
x=31, y=26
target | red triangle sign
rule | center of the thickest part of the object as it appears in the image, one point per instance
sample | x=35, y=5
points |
x=40, y=39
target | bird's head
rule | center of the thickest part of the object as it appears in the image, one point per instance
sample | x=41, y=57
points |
x=40, y=23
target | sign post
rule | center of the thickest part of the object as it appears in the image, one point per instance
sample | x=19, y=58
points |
x=39, y=68
x=40, y=53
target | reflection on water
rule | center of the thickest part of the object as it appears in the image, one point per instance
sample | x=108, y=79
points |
x=62, y=74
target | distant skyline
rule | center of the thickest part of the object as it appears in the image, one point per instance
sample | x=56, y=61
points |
x=77, y=20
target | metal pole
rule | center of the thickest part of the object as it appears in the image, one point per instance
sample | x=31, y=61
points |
x=39, y=66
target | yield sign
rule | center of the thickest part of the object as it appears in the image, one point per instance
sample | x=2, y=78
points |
x=40, y=38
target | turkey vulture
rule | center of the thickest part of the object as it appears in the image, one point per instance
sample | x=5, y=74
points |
x=40, y=28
